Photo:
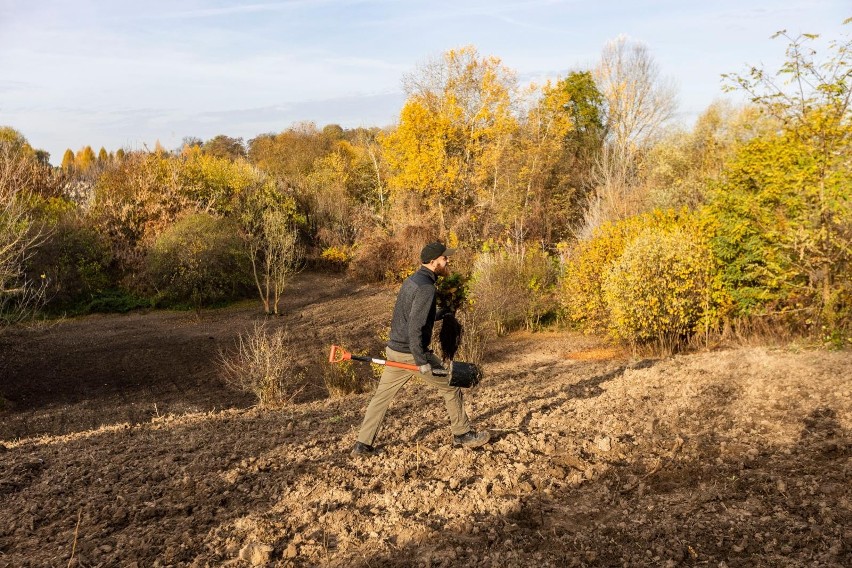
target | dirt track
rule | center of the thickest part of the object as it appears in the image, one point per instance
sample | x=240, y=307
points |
x=736, y=457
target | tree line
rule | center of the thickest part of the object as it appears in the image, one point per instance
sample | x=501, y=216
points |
x=573, y=200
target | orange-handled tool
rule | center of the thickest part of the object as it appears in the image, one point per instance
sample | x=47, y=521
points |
x=338, y=354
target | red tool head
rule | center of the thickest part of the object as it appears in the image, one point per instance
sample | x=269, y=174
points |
x=338, y=354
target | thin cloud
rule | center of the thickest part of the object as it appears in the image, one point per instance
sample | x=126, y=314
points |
x=232, y=10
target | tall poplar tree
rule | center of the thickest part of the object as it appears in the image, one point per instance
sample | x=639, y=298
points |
x=85, y=159
x=68, y=160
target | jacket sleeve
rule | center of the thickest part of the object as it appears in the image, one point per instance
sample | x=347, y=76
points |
x=417, y=318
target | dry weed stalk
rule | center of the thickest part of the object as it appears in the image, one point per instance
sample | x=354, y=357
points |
x=76, y=533
x=263, y=365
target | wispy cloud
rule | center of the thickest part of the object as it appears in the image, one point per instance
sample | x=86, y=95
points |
x=103, y=72
x=232, y=10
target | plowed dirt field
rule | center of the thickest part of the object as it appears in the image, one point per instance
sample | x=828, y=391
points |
x=120, y=446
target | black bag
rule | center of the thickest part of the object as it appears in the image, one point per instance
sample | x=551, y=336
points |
x=464, y=375
x=450, y=336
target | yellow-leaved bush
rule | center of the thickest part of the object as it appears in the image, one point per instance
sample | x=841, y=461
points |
x=649, y=278
x=661, y=287
x=589, y=261
x=337, y=255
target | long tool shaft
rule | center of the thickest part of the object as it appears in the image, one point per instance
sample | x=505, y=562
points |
x=339, y=354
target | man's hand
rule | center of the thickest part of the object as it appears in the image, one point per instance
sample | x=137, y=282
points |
x=425, y=369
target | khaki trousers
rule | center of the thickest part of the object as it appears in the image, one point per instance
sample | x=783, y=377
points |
x=393, y=379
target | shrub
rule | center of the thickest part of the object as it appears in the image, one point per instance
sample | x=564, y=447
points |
x=391, y=257
x=660, y=289
x=341, y=379
x=784, y=223
x=513, y=286
x=263, y=366
x=142, y=195
x=200, y=260
x=115, y=301
x=20, y=231
x=587, y=265
x=784, y=207
x=336, y=258
x=75, y=260
x=134, y=201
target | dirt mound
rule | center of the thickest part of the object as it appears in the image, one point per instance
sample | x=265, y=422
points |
x=738, y=457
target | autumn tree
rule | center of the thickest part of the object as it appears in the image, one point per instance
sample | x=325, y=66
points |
x=333, y=133
x=42, y=156
x=276, y=258
x=532, y=203
x=269, y=223
x=85, y=159
x=14, y=141
x=370, y=173
x=289, y=155
x=682, y=165
x=343, y=196
x=68, y=160
x=557, y=145
x=20, y=232
x=138, y=198
x=582, y=144
x=222, y=146
x=638, y=103
x=785, y=206
x=454, y=132
x=191, y=142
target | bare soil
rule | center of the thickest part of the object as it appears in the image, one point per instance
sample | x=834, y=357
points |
x=121, y=446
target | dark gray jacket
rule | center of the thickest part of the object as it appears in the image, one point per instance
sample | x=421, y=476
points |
x=414, y=315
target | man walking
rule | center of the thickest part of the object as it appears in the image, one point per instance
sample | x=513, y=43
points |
x=414, y=317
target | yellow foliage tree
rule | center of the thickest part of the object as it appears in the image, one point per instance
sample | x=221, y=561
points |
x=454, y=132
x=68, y=160
x=85, y=159
x=534, y=204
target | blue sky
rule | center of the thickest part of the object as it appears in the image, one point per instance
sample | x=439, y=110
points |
x=125, y=74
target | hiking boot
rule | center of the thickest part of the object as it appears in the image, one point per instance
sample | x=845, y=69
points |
x=362, y=449
x=472, y=439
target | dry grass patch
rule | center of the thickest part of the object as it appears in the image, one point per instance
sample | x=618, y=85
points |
x=596, y=354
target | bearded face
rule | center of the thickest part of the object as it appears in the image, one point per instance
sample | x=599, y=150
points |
x=442, y=266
